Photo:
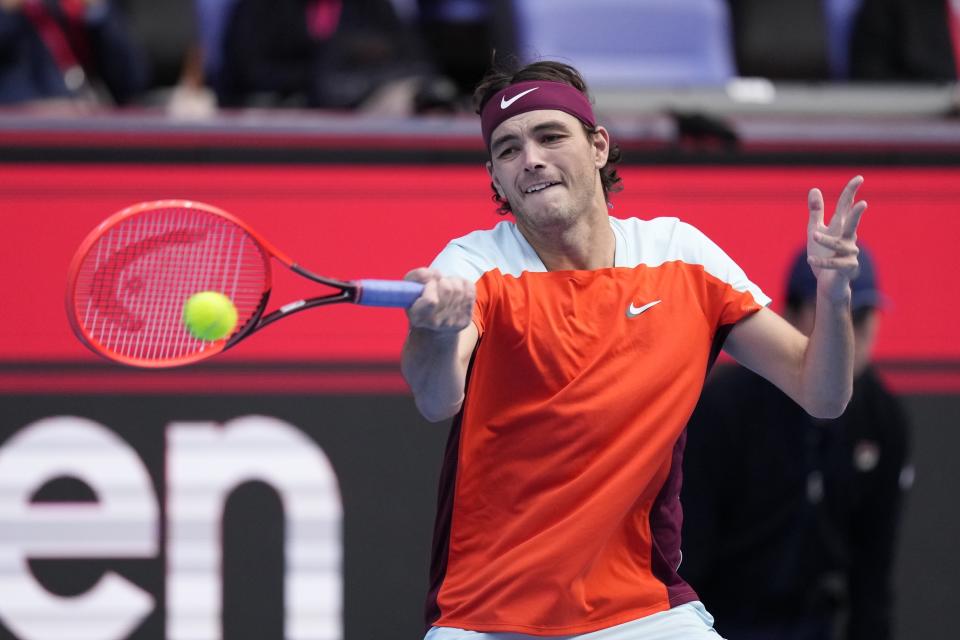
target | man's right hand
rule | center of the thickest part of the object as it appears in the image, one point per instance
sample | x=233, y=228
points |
x=440, y=342
x=446, y=304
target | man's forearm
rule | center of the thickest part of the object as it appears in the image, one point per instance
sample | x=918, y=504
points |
x=435, y=371
x=826, y=376
x=827, y=373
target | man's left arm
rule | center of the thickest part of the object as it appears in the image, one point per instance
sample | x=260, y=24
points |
x=817, y=372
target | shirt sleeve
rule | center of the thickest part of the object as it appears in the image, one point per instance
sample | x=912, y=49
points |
x=481, y=309
x=458, y=259
x=730, y=293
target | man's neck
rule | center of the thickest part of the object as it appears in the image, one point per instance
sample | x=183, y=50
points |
x=589, y=243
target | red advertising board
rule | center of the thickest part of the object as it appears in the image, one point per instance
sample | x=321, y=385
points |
x=378, y=221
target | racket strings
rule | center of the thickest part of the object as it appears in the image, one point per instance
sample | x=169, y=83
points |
x=133, y=282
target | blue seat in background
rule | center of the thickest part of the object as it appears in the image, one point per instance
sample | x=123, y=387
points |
x=840, y=16
x=625, y=43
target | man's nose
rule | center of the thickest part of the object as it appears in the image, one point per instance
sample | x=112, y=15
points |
x=532, y=157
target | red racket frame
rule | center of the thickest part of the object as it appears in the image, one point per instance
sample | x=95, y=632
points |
x=348, y=291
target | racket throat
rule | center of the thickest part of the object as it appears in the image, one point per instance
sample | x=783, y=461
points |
x=302, y=305
x=293, y=306
x=330, y=282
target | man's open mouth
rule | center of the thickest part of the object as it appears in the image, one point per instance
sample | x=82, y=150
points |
x=540, y=186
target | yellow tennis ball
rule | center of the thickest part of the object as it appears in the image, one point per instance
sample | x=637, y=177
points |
x=209, y=315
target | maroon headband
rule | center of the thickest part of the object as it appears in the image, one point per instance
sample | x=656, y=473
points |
x=530, y=96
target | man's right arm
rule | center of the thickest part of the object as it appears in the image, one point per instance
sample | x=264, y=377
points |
x=440, y=342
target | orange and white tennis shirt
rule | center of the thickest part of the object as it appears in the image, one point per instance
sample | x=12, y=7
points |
x=559, y=503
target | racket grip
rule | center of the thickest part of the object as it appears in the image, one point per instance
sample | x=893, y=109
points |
x=388, y=293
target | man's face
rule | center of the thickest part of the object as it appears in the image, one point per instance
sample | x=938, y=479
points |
x=547, y=167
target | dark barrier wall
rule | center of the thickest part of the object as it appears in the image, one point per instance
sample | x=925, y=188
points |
x=113, y=482
x=385, y=458
x=929, y=562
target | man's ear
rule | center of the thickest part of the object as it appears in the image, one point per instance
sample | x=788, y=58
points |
x=601, y=146
x=496, y=183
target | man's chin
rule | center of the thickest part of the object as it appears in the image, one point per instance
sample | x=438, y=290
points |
x=545, y=214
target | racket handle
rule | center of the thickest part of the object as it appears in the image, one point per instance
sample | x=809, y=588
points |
x=388, y=293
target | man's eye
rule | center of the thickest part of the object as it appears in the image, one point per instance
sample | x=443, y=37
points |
x=506, y=152
x=552, y=137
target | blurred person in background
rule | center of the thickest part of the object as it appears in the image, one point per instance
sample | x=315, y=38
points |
x=781, y=39
x=320, y=53
x=67, y=50
x=460, y=36
x=790, y=522
x=212, y=18
x=874, y=40
x=195, y=95
x=906, y=40
x=459, y=33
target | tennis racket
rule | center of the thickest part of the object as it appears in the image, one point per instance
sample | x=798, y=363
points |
x=131, y=276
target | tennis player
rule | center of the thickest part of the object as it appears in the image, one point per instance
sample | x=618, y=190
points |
x=571, y=347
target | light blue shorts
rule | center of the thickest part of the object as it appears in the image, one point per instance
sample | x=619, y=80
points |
x=689, y=621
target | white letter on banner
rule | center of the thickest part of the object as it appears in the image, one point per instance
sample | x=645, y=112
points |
x=206, y=461
x=123, y=523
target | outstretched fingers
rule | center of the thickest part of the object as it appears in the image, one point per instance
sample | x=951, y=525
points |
x=839, y=246
x=839, y=223
x=849, y=193
x=847, y=262
x=815, y=205
x=841, y=254
x=833, y=246
x=853, y=220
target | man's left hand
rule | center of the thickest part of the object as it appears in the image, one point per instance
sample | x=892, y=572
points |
x=832, y=249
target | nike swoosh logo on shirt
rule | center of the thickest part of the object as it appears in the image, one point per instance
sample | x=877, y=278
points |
x=504, y=103
x=633, y=312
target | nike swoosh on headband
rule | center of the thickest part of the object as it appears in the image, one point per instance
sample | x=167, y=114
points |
x=504, y=103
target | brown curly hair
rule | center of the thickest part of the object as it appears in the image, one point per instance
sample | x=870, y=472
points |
x=499, y=77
